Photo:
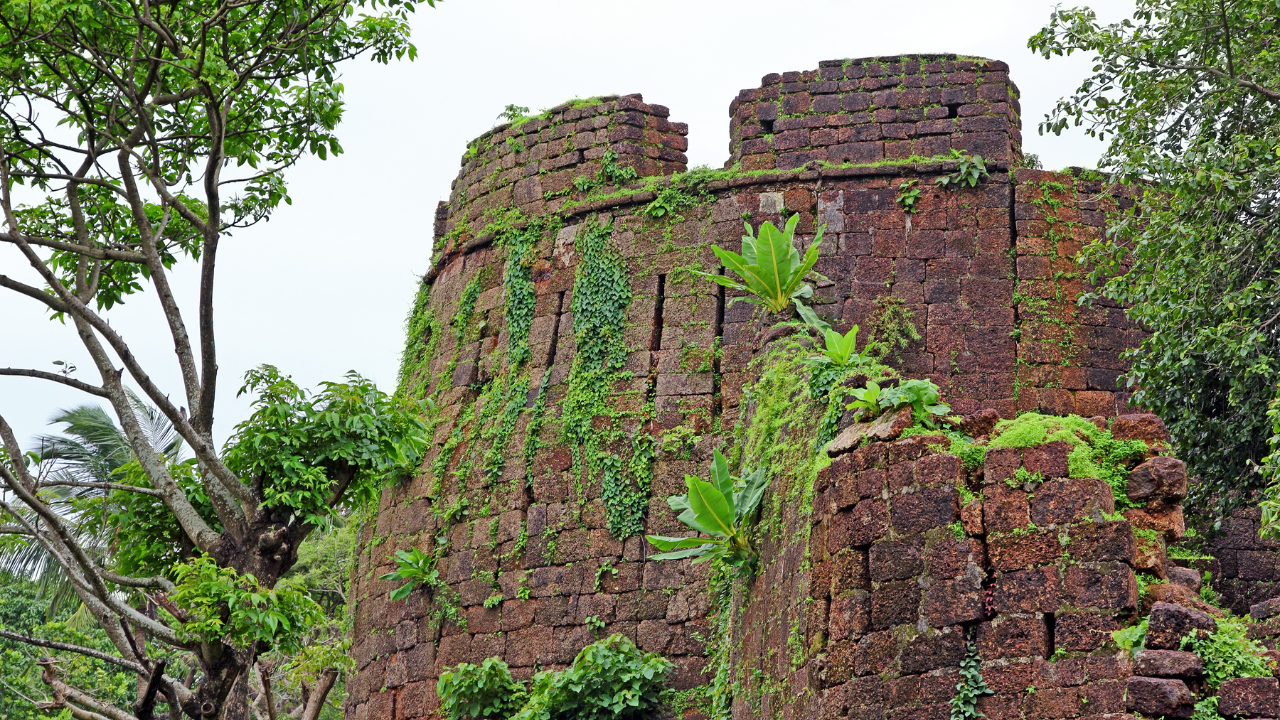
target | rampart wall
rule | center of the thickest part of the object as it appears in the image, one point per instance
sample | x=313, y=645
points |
x=577, y=370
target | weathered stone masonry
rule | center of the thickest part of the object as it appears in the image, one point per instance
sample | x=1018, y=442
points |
x=989, y=275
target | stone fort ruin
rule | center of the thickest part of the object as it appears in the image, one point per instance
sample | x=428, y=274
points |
x=578, y=369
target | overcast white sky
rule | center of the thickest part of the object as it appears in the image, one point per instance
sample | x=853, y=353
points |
x=324, y=287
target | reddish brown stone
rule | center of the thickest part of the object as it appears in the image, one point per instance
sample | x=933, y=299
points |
x=1013, y=636
x=933, y=649
x=1254, y=697
x=1005, y=509
x=1048, y=460
x=1169, y=623
x=897, y=559
x=1102, y=542
x=1166, y=520
x=1083, y=631
x=1167, y=664
x=1155, y=697
x=877, y=653
x=1067, y=501
x=850, y=615
x=951, y=602
x=925, y=509
x=895, y=603
x=863, y=525
x=1106, y=586
x=1161, y=478
x=1145, y=427
x=1026, y=591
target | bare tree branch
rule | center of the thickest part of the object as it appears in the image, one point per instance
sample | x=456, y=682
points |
x=57, y=378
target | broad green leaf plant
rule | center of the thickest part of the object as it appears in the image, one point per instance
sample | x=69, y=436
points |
x=921, y=395
x=771, y=269
x=840, y=350
x=416, y=568
x=721, y=509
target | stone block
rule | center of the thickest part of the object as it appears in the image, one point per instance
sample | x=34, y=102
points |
x=925, y=509
x=1167, y=664
x=1169, y=623
x=1161, y=478
x=1005, y=509
x=1027, y=591
x=1072, y=500
x=1254, y=697
x=1083, y=631
x=895, y=603
x=862, y=525
x=897, y=559
x=1013, y=636
x=1158, y=697
x=1143, y=426
x=1106, y=586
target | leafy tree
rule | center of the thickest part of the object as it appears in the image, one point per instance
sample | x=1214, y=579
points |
x=1188, y=94
x=143, y=135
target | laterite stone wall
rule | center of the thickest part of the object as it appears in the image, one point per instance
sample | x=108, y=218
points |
x=526, y=518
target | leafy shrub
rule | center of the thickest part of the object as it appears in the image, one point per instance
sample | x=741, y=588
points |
x=609, y=680
x=415, y=567
x=480, y=691
x=840, y=351
x=1095, y=452
x=1228, y=652
x=722, y=509
x=971, y=171
x=1206, y=709
x=908, y=195
x=921, y=395
x=218, y=603
x=770, y=266
x=1131, y=639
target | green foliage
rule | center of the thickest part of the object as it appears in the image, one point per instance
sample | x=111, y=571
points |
x=964, y=706
x=770, y=266
x=922, y=396
x=421, y=339
x=486, y=690
x=294, y=443
x=1207, y=593
x=970, y=171
x=220, y=604
x=610, y=172
x=1185, y=93
x=517, y=282
x=1131, y=639
x=609, y=680
x=908, y=195
x=866, y=401
x=892, y=329
x=512, y=113
x=840, y=351
x=1095, y=453
x=23, y=610
x=723, y=509
x=1228, y=652
x=148, y=538
x=1206, y=709
x=671, y=200
x=416, y=568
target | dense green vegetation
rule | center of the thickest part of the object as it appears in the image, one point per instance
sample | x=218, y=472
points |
x=1187, y=94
